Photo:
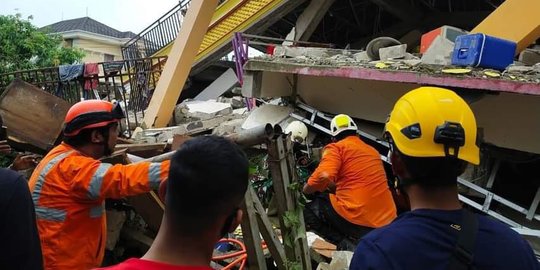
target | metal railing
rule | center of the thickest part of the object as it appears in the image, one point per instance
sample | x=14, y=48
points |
x=158, y=35
x=130, y=82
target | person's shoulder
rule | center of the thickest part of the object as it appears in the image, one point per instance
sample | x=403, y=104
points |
x=12, y=181
x=405, y=224
x=496, y=228
x=130, y=264
x=141, y=264
x=9, y=175
x=12, y=186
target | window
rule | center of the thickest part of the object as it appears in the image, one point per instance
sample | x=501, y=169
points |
x=69, y=43
x=108, y=58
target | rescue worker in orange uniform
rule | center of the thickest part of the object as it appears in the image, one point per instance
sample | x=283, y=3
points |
x=70, y=185
x=358, y=198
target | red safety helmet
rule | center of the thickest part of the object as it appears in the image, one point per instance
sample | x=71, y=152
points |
x=91, y=114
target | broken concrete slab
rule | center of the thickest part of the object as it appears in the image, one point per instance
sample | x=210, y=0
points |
x=393, y=52
x=240, y=111
x=439, y=53
x=227, y=81
x=518, y=69
x=157, y=135
x=529, y=57
x=412, y=62
x=286, y=51
x=361, y=57
x=237, y=90
x=236, y=102
x=410, y=56
x=266, y=113
x=188, y=111
x=536, y=67
x=229, y=127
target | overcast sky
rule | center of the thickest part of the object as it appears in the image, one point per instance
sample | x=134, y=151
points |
x=123, y=15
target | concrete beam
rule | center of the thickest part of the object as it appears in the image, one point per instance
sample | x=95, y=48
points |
x=399, y=8
x=310, y=18
x=515, y=20
x=178, y=66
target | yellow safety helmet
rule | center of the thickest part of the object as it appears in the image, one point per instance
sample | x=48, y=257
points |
x=340, y=123
x=433, y=122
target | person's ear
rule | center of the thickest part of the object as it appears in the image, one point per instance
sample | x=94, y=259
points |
x=398, y=166
x=163, y=190
x=96, y=137
x=236, y=220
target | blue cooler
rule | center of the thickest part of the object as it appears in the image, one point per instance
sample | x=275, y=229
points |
x=485, y=51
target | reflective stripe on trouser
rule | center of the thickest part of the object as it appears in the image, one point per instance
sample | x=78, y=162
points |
x=46, y=212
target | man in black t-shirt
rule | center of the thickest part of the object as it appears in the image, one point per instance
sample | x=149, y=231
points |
x=19, y=242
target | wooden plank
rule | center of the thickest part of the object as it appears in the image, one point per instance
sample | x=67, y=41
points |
x=177, y=67
x=268, y=233
x=42, y=124
x=281, y=166
x=324, y=248
x=251, y=234
x=279, y=171
x=178, y=140
x=117, y=157
x=149, y=207
x=144, y=150
x=300, y=244
x=515, y=20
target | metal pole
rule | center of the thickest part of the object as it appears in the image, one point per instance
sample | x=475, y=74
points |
x=246, y=138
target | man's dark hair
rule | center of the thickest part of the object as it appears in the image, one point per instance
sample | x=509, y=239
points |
x=208, y=178
x=344, y=134
x=84, y=136
x=433, y=172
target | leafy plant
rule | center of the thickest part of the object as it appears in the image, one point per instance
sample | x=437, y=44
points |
x=24, y=46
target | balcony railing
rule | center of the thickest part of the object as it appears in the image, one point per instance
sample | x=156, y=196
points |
x=158, y=35
x=130, y=82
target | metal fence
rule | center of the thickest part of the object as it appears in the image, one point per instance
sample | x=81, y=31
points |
x=130, y=82
x=158, y=35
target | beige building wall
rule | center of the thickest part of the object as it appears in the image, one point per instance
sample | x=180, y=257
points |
x=96, y=51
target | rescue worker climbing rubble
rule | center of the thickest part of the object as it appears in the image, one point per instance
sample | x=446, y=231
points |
x=70, y=185
x=432, y=137
x=359, y=198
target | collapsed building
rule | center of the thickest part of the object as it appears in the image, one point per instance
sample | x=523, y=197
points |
x=321, y=58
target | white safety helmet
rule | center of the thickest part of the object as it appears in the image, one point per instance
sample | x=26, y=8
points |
x=298, y=130
x=340, y=123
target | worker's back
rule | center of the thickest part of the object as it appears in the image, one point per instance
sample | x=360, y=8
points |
x=425, y=239
x=362, y=195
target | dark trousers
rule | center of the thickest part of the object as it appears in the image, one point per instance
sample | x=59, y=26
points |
x=321, y=218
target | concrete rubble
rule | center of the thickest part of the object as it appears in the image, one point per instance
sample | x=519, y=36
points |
x=393, y=52
x=439, y=53
x=530, y=56
x=436, y=59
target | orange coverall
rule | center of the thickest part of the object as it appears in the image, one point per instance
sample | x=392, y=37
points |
x=69, y=191
x=362, y=195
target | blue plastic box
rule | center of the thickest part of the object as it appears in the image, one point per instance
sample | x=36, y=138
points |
x=485, y=51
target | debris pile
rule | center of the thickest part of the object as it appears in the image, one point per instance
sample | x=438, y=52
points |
x=442, y=51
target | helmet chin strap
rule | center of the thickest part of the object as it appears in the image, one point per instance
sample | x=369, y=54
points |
x=107, y=151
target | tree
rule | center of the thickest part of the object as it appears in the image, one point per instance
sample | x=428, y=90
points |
x=24, y=46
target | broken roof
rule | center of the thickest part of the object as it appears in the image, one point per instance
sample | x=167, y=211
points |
x=89, y=25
